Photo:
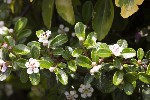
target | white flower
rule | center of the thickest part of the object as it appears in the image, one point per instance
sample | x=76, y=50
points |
x=86, y=90
x=116, y=49
x=72, y=95
x=52, y=69
x=9, y=1
x=1, y=23
x=95, y=69
x=3, y=29
x=63, y=29
x=3, y=66
x=73, y=34
x=44, y=37
x=32, y=66
x=11, y=30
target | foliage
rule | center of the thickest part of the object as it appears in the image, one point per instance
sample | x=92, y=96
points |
x=90, y=58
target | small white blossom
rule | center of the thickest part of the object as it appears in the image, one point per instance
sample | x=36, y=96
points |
x=86, y=90
x=51, y=69
x=95, y=69
x=72, y=95
x=3, y=66
x=1, y=23
x=73, y=34
x=32, y=66
x=9, y=1
x=44, y=37
x=81, y=38
x=116, y=49
x=63, y=29
x=11, y=30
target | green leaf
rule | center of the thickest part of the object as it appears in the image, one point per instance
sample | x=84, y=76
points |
x=140, y=53
x=20, y=24
x=62, y=76
x=23, y=34
x=23, y=75
x=65, y=10
x=102, y=52
x=128, y=7
x=34, y=43
x=80, y=31
x=148, y=70
x=21, y=63
x=90, y=42
x=61, y=65
x=21, y=49
x=47, y=12
x=10, y=41
x=72, y=65
x=35, y=52
x=122, y=43
x=128, y=88
x=39, y=32
x=45, y=64
x=84, y=61
x=4, y=75
x=103, y=18
x=34, y=78
x=117, y=64
x=118, y=77
x=94, y=55
x=87, y=10
x=88, y=78
x=144, y=78
x=128, y=53
x=77, y=52
x=57, y=51
x=104, y=84
x=59, y=40
x=131, y=76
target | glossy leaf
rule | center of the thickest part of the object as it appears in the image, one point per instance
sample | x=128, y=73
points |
x=62, y=76
x=65, y=10
x=104, y=52
x=128, y=53
x=94, y=55
x=34, y=78
x=128, y=88
x=23, y=34
x=128, y=7
x=84, y=61
x=80, y=30
x=103, y=18
x=10, y=41
x=59, y=40
x=122, y=43
x=77, y=52
x=87, y=10
x=20, y=24
x=144, y=78
x=45, y=64
x=21, y=49
x=117, y=64
x=90, y=42
x=35, y=52
x=72, y=65
x=47, y=12
x=118, y=77
x=23, y=75
x=140, y=53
